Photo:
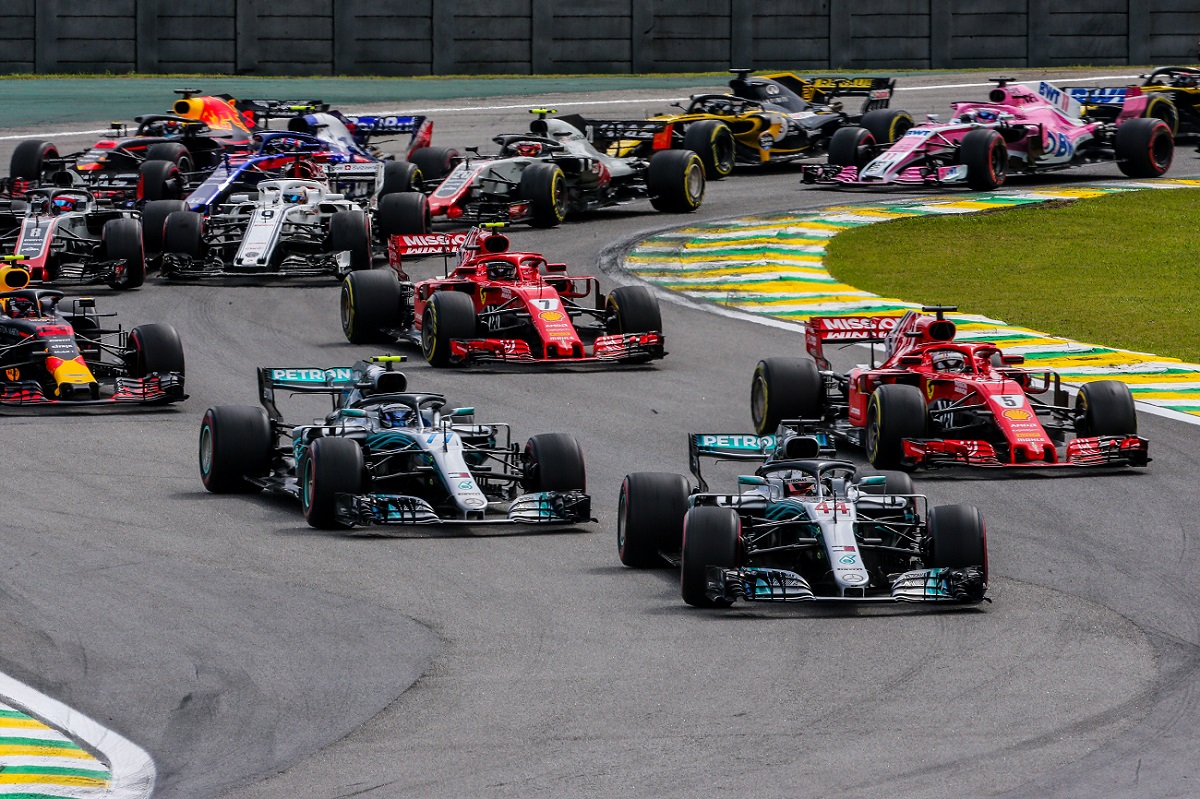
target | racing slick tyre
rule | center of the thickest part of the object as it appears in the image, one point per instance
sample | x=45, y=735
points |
x=448, y=315
x=957, y=537
x=544, y=185
x=985, y=155
x=712, y=140
x=1105, y=408
x=895, y=412
x=121, y=240
x=28, y=161
x=154, y=219
x=553, y=462
x=351, y=230
x=171, y=151
x=403, y=214
x=435, y=163
x=785, y=388
x=887, y=125
x=183, y=234
x=154, y=348
x=328, y=467
x=1144, y=148
x=650, y=515
x=675, y=179
x=710, y=538
x=399, y=176
x=235, y=443
x=893, y=483
x=851, y=146
x=1160, y=107
x=632, y=309
x=159, y=180
x=370, y=302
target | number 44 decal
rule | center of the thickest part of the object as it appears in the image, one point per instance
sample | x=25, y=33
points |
x=825, y=507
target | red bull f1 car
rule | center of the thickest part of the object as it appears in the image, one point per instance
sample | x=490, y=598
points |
x=1016, y=131
x=500, y=306
x=55, y=357
x=801, y=528
x=385, y=455
x=935, y=401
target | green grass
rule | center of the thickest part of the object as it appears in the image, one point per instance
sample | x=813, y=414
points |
x=1121, y=270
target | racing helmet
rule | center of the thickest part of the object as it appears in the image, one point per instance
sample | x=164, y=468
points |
x=21, y=308
x=64, y=204
x=987, y=115
x=295, y=195
x=948, y=361
x=501, y=270
x=529, y=149
x=397, y=416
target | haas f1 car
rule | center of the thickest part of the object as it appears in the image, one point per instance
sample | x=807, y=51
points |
x=799, y=529
x=499, y=305
x=53, y=357
x=542, y=176
x=1016, y=131
x=936, y=402
x=766, y=119
x=387, y=456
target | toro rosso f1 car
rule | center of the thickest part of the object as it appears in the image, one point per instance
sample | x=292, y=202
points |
x=935, y=401
x=799, y=529
x=500, y=306
x=388, y=456
x=52, y=357
x=549, y=172
x=1016, y=131
x=766, y=119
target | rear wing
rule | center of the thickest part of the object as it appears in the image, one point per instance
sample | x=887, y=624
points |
x=366, y=376
x=844, y=330
x=822, y=89
x=795, y=439
x=264, y=110
x=419, y=244
x=419, y=128
x=1097, y=95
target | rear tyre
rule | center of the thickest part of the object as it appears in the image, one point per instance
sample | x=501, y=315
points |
x=183, y=234
x=957, y=537
x=895, y=412
x=370, y=303
x=399, y=176
x=851, y=146
x=28, y=161
x=785, y=388
x=154, y=348
x=174, y=152
x=1105, y=408
x=650, y=515
x=154, y=219
x=435, y=163
x=710, y=538
x=887, y=125
x=712, y=140
x=351, y=231
x=1144, y=148
x=121, y=239
x=985, y=155
x=544, y=185
x=235, y=443
x=403, y=214
x=632, y=309
x=159, y=180
x=328, y=467
x=553, y=462
x=675, y=180
x=448, y=315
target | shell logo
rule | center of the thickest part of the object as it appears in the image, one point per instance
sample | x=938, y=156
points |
x=550, y=316
x=1017, y=415
x=12, y=374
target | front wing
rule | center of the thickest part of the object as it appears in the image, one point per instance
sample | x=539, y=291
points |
x=913, y=176
x=616, y=348
x=1080, y=452
x=154, y=389
x=756, y=584
x=540, y=508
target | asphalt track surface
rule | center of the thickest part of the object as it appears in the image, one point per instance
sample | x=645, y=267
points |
x=254, y=657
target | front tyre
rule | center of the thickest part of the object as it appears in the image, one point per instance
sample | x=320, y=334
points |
x=675, y=180
x=370, y=304
x=957, y=537
x=887, y=125
x=28, y=161
x=235, y=443
x=544, y=185
x=448, y=315
x=785, y=388
x=650, y=514
x=403, y=214
x=159, y=180
x=1105, y=408
x=553, y=462
x=154, y=349
x=711, y=537
x=350, y=231
x=712, y=140
x=985, y=155
x=895, y=412
x=632, y=309
x=852, y=146
x=327, y=468
x=1144, y=148
x=121, y=240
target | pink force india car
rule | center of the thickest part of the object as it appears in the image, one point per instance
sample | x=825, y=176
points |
x=935, y=401
x=1018, y=130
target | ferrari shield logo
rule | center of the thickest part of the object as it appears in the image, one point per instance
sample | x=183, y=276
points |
x=12, y=374
x=929, y=389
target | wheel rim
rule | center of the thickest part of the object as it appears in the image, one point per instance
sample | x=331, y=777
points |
x=999, y=161
x=560, y=195
x=206, y=450
x=694, y=181
x=347, y=309
x=873, y=431
x=306, y=483
x=723, y=153
x=1161, y=151
x=622, y=512
x=428, y=331
x=758, y=403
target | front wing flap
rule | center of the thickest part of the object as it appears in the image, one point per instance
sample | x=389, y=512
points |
x=154, y=389
x=756, y=584
x=539, y=508
x=1080, y=452
x=615, y=348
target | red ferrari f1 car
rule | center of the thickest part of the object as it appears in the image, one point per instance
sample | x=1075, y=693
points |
x=499, y=305
x=935, y=401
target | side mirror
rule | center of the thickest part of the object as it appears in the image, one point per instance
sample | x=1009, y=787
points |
x=751, y=480
x=460, y=412
x=556, y=267
x=85, y=302
x=1012, y=360
x=910, y=360
x=239, y=198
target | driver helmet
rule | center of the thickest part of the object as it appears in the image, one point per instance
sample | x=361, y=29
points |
x=987, y=115
x=398, y=416
x=65, y=204
x=295, y=195
x=22, y=308
x=948, y=361
x=501, y=270
x=529, y=149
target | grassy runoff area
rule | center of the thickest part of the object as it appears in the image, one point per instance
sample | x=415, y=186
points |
x=1119, y=271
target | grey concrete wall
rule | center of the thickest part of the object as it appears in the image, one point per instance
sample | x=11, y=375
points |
x=423, y=37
